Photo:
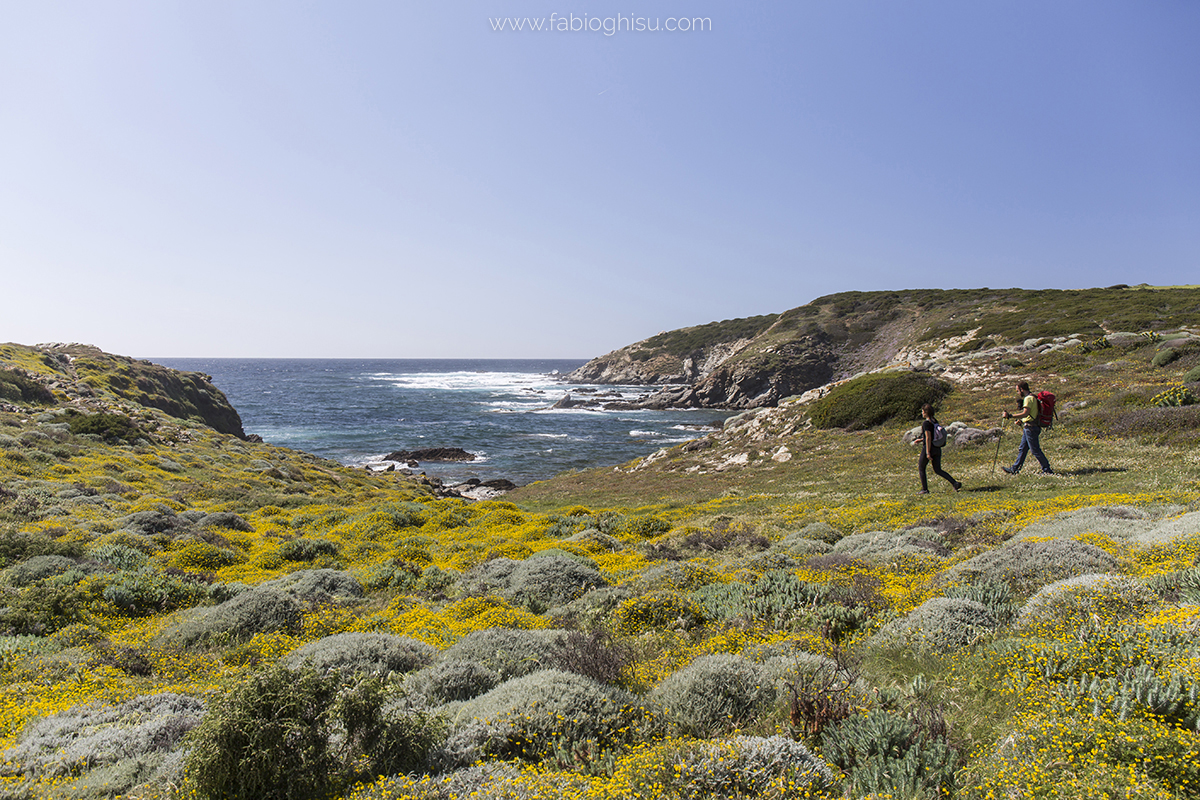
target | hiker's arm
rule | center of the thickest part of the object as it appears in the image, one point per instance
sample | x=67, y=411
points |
x=929, y=445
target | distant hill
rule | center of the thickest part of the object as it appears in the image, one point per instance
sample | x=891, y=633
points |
x=758, y=361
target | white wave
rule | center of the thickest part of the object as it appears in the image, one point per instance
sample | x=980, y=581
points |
x=646, y=434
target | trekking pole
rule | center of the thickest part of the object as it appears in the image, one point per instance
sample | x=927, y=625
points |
x=997, y=458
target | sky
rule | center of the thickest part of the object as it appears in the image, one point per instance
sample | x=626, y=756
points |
x=418, y=180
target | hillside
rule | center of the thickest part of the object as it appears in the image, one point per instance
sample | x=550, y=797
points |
x=758, y=361
x=768, y=611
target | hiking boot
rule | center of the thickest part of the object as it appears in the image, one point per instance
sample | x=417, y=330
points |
x=923, y=491
x=957, y=485
x=1009, y=470
x=1047, y=472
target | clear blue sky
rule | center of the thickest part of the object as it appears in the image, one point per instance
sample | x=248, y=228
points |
x=397, y=179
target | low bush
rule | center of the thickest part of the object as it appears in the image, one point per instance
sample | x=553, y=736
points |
x=374, y=653
x=112, y=428
x=655, y=611
x=714, y=694
x=262, y=609
x=542, y=583
x=1192, y=375
x=510, y=652
x=198, y=556
x=740, y=767
x=19, y=546
x=875, y=399
x=225, y=519
x=1164, y=357
x=18, y=388
x=528, y=717
x=940, y=624
x=1087, y=597
x=318, y=585
x=37, y=569
x=886, y=754
x=41, y=610
x=139, y=594
x=305, y=549
x=454, y=679
x=285, y=735
x=145, y=728
x=1025, y=566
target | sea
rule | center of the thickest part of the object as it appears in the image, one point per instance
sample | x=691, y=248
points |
x=358, y=411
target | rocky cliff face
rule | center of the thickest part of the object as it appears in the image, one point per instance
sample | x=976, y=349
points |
x=83, y=373
x=758, y=361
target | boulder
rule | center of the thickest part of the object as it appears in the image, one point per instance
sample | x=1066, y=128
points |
x=430, y=454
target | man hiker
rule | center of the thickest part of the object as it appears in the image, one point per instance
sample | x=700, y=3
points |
x=1027, y=417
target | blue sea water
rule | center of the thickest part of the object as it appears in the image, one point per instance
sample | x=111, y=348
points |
x=357, y=411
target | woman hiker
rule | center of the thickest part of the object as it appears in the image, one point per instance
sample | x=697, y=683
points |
x=931, y=451
x=1031, y=431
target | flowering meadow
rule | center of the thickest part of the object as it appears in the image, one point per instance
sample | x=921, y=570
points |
x=186, y=614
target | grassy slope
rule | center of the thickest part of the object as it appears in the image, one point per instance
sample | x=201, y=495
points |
x=854, y=481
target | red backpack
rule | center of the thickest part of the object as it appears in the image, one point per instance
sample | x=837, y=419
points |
x=1046, y=413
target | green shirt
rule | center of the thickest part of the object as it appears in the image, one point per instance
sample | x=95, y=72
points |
x=1030, y=404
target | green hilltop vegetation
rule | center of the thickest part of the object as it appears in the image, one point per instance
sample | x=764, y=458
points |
x=770, y=610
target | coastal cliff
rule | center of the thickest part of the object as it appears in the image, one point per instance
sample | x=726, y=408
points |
x=84, y=375
x=758, y=361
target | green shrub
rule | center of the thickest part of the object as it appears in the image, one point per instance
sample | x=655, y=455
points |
x=774, y=595
x=139, y=594
x=714, y=694
x=875, y=399
x=285, y=735
x=1192, y=375
x=198, y=556
x=112, y=428
x=18, y=388
x=886, y=754
x=1174, y=397
x=375, y=653
x=41, y=610
x=225, y=519
x=305, y=549
x=1164, y=357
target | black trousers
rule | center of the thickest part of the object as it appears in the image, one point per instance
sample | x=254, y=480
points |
x=922, y=462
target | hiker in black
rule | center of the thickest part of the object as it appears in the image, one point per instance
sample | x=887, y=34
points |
x=931, y=451
x=1031, y=431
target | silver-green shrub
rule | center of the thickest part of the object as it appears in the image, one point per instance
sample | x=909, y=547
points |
x=940, y=624
x=374, y=653
x=38, y=568
x=528, y=717
x=318, y=585
x=1026, y=566
x=510, y=652
x=993, y=594
x=86, y=737
x=890, y=545
x=1085, y=597
x=743, y=766
x=542, y=583
x=714, y=694
x=453, y=680
x=262, y=609
x=225, y=519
